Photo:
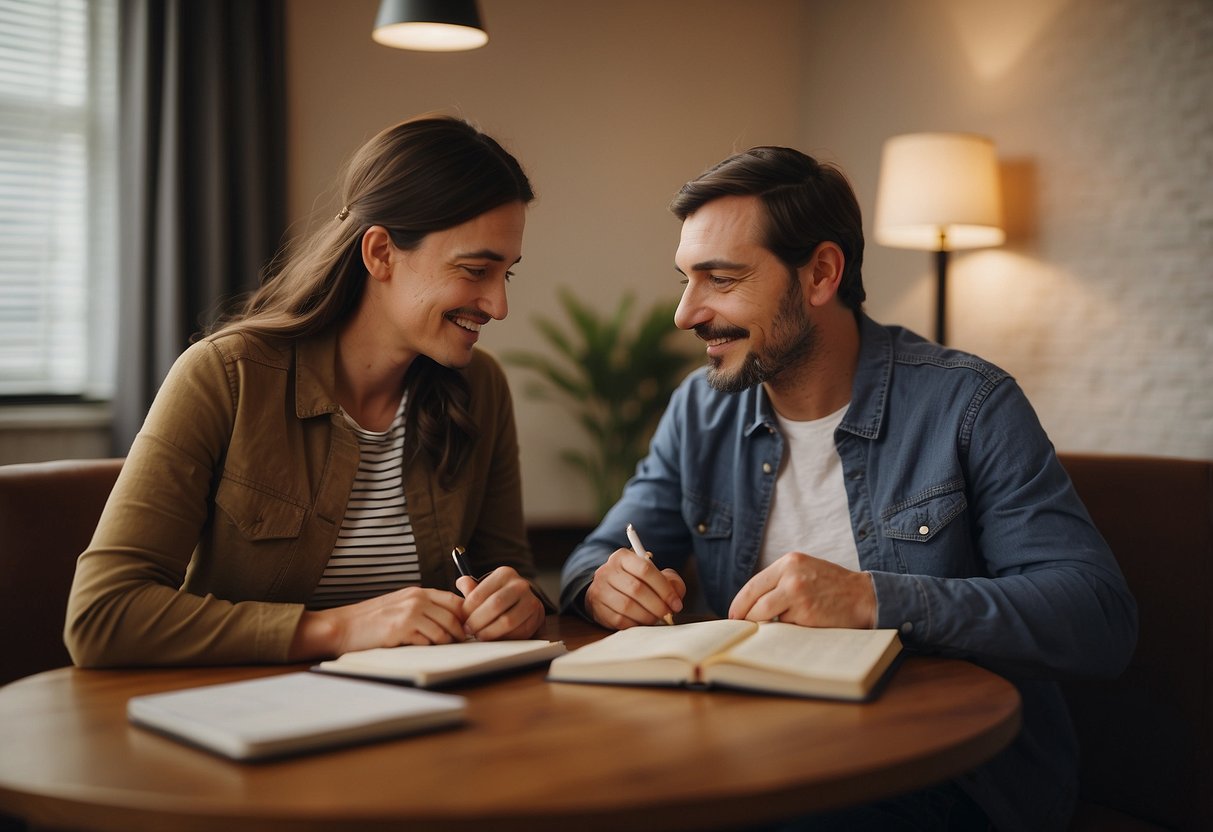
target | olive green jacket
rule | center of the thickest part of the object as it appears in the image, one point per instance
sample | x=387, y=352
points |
x=230, y=500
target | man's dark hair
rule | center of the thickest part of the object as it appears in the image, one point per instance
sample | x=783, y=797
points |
x=807, y=203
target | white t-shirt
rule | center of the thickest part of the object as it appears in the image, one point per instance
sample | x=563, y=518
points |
x=809, y=510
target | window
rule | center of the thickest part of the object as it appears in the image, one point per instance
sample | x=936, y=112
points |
x=58, y=197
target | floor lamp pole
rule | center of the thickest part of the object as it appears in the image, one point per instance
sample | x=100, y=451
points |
x=941, y=295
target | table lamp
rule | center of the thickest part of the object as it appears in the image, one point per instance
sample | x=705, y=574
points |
x=939, y=192
x=430, y=25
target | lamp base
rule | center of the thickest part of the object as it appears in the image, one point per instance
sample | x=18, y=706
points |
x=941, y=296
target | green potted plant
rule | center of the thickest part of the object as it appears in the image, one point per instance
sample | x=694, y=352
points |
x=615, y=374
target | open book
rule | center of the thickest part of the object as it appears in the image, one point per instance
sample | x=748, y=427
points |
x=429, y=665
x=292, y=712
x=769, y=657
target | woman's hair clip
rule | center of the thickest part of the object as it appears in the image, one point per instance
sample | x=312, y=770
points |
x=343, y=213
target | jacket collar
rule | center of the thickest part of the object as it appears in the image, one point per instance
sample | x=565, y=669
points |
x=873, y=375
x=316, y=375
x=757, y=410
x=869, y=390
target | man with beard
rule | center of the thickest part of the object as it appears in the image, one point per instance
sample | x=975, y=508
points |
x=828, y=471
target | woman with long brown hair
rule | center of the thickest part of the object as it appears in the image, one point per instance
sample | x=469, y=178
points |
x=307, y=467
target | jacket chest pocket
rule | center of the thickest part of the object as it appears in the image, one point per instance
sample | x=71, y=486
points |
x=257, y=514
x=711, y=525
x=709, y=520
x=928, y=532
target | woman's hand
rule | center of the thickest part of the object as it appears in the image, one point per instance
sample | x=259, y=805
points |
x=413, y=615
x=500, y=606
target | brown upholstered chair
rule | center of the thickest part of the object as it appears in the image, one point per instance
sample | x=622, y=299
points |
x=48, y=511
x=1147, y=737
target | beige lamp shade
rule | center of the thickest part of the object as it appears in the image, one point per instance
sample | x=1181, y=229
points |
x=939, y=192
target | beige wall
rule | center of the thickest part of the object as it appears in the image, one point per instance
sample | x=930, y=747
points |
x=1101, y=303
x=609, y=106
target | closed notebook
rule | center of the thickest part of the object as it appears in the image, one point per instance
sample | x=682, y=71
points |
x=769, y=657
x=430, y=665
x=292, y=712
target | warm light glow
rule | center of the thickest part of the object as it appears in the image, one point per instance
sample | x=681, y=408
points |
x=995, y=35
x=939, y=191
x=430, y=25
x=430, y=37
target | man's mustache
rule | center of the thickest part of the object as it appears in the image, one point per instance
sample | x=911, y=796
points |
x=709, y=333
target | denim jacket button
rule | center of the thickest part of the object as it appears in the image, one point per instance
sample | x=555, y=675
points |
x=766, y=467
x=907, y=627
x=702, y=528
x=924, y=530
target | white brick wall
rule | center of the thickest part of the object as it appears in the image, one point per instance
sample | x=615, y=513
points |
x=1120, y=354
x=1103, y=306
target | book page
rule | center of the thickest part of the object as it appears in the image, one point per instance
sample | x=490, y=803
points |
x=689, y=642
x=817, y=652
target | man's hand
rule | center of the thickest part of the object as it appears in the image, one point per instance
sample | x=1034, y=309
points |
x=501, y=606
x=628, y=591
x=802, y=589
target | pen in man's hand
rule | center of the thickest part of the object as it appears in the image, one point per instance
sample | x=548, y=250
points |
x=639, y=549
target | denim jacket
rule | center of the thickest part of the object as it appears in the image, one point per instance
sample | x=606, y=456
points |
x=977, y=544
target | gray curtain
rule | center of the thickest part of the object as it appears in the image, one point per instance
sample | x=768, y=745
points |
x=202, y=176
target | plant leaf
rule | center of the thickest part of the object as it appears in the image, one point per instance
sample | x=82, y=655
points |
x=615, y=373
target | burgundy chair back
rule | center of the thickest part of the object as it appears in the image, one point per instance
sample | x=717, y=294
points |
x=48, y=511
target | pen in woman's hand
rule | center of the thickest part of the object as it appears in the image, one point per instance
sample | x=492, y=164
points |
x=459, y=555
x=461, y=562
x=639, y=549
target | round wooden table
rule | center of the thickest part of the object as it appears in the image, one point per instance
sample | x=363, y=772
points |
x=533, y=755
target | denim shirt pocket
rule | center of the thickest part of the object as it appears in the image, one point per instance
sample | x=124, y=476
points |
x=257, y=513
x=707, y=519
x=923, y=534
x=711, y=525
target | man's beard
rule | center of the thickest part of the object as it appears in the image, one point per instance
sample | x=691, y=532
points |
x=794, y=339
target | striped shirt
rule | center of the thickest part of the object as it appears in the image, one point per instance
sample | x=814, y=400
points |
x=375, y=551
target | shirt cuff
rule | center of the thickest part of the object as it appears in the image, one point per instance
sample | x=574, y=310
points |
x=900, y=605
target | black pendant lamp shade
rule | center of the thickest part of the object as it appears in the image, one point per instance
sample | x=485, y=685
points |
x=430, y=25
